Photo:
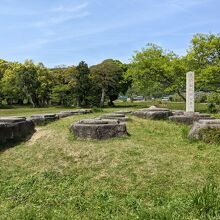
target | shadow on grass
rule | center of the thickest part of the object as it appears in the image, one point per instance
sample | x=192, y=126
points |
x=8, y=145
x=13, y=143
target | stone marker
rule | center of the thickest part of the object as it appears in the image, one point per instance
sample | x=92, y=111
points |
x=190, y=92
x=190, y=116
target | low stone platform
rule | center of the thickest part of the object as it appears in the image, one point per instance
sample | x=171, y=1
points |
x=153, y=113
x=189, y=118
x=200, y=127
x=124, y=112
x=68, y=113
x=43, y=119
x=114, y=116
x=177, y=112
x=98, y=129
x=13, y=129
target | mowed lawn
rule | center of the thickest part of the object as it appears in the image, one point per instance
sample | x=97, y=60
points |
x=155, y=173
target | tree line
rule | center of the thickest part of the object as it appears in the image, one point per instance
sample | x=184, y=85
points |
x=152, y=72
x=72, y=85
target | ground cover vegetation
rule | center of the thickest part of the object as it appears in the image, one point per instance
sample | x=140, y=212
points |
x=155, y=173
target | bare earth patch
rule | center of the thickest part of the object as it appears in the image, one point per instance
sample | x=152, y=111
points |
x=40, y=133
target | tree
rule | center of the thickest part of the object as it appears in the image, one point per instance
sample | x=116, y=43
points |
x=45, y=79
x=10, y=86
x=64, y=82
x=82, y=85
x=27, y=80
x=3, y=67
x=156, y=69
x=204, y=57
x=107, y=76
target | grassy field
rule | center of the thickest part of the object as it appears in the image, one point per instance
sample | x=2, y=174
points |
x=200, y=107
x=27, y=111
x=155, y=173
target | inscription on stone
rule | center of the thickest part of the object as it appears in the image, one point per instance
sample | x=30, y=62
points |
x=190, y=92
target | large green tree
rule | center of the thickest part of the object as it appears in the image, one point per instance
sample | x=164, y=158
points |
x=4, y=65
x=107, y=76
x=44, y=89
x=204, y=57
x=64, y=83
x=82, y=85
x=154, y=69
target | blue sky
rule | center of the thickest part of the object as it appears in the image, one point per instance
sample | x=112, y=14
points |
x=67, y=31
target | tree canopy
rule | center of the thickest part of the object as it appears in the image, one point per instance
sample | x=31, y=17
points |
x=152, y=72
x=154, y=69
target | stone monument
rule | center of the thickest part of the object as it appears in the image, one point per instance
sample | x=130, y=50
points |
x=190, y=92
x=190, y=116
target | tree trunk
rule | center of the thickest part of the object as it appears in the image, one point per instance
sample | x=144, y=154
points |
x=31, y=101
x=179, y=93
x=78, y=102
x=102, y=98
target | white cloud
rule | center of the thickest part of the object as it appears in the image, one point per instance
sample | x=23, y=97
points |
x=75, y=8
x=61, y=14
x=59, y=19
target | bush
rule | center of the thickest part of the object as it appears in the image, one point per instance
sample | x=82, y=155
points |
x=202, y=98
x=176, y=98
x=212, y=108
x=214, y=98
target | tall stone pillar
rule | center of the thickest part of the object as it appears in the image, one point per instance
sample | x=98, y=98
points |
x=190, y=93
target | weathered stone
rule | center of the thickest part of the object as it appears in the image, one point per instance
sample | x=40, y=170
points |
x=158, y=115
x=85, y=111
x=153, y=113
x=16, y=130
x=154, y=108
x=43, y=119
x=140, y=114
x=112, y=116
x=68, y=113
x=189, y=118
x=98, y=129
x=65, y=114
x=177, y=112
x=98, y=121
x=197, y=131
x=124, y=112
x=12, y=119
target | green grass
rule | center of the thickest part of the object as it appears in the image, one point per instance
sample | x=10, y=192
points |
x=156, y=173
x=27, y=111
x=200, y=107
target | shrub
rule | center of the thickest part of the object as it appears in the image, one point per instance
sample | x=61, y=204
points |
x=202, y=98
x=176, y=98
x=212, y=108
x=213, y=98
